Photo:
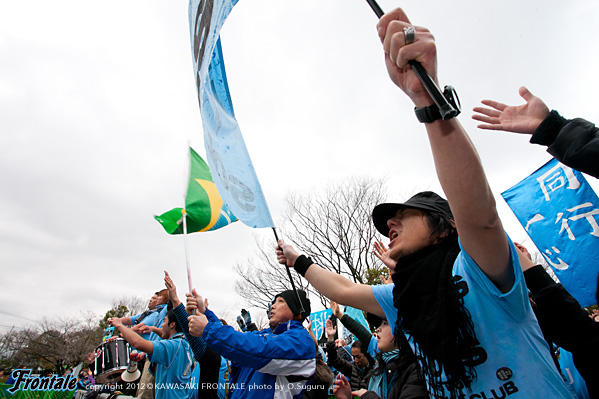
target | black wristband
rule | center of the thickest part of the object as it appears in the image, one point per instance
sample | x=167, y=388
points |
x=302, y=263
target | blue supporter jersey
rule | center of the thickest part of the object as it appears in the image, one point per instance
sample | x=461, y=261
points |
x=174, y=368
x=513, y=358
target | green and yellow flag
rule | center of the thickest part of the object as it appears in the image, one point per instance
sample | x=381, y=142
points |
x=205, y=209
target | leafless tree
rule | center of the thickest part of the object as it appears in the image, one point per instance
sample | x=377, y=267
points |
x=332, y=226
x=135, y=304
x=56, y=343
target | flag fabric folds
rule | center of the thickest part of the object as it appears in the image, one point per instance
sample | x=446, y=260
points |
x=205, y=209
x=559, y=210
x=226, y=153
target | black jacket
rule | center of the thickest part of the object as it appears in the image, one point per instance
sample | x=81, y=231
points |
x=357, y=377
x=408, y=381
x=573, y=142
x=567, y=324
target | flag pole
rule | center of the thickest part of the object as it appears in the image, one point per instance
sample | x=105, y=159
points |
x=190, y=284
x=184, y=214
x=274, y=229
x=445, y=108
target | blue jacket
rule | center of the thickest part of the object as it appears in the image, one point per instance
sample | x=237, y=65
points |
x=265, y=364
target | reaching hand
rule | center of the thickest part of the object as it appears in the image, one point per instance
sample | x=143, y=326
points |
x=172, y=289
x=524, y=256
x=115, y=322
x=524, y=118
x=336, y=310
x=331, y=331
x=523, y=249
x=342, y=388
x=382, y=252
x=309, y=328
x=387, y=279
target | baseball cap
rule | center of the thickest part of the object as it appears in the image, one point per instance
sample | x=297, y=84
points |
x=425, y=201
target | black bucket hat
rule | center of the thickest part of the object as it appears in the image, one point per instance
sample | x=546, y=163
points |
x=425, y=201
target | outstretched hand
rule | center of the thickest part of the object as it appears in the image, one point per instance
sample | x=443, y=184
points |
x=524, y=118
x=330, y=329
x=172, y=289
x=524, y=257
x=342, y=388
x=382, y=252
x=336, y=310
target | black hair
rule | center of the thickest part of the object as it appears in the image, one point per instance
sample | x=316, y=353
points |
x=360, y=346
x=172, y=318
x=440, y=225
x=363, y=349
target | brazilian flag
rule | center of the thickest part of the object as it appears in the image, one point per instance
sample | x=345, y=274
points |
x=204, y=207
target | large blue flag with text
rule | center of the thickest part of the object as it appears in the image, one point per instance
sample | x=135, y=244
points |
x=319, y=321
x=559, y=211
x=226, y=153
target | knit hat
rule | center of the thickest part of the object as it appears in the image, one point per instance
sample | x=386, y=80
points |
x=290, y=298
x=425, y=201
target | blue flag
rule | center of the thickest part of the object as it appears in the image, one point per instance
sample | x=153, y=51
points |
x=559, y=211
x=319, y=320
x=226, y=153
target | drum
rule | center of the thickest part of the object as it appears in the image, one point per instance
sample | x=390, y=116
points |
x=112, y=358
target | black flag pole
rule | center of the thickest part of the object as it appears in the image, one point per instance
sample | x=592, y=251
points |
x=445, y=108
x=274, y=229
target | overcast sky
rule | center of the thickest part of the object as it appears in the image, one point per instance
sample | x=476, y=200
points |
x=98, y=105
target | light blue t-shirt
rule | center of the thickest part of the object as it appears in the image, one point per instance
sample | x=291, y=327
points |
x=157, y=321
x=513, y=358
x=571, y=374
x=174, y=368
x=149, y=320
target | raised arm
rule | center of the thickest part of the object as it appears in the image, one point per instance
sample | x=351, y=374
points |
x=352, y=325
x=332, y=285
x=132, y=337
x=172, y=290
x=457, y=163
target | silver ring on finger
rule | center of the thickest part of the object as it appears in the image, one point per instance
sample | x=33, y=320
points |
x=409, y=34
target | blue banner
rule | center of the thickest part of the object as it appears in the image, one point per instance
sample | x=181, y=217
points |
x=559, y=211
x=319, y=320
x=226, y=153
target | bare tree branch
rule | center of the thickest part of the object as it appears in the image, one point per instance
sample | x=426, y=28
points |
x=332, y=226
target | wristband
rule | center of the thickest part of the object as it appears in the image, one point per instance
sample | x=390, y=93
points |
x=302, y=263
x=432, y=113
